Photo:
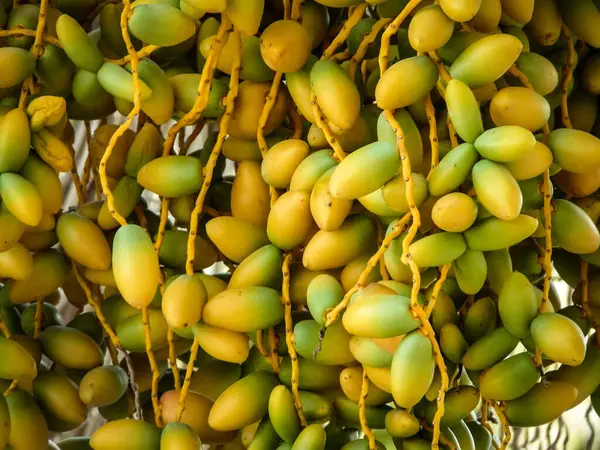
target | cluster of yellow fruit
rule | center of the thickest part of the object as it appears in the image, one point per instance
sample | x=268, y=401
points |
x=407, y=175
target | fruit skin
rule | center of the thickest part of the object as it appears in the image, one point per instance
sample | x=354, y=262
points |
x=243, y=403
x=22, y=365
x=244, y=309
x=486, y=60
x=283, y=415
x=285, y=46
x=510, y=378
x=290, y=222
x=437, y=249
x=459, y=403
x=559, y=338
x=179, y=436
x=311, y=438
x=58, y=396
x=541, y=404
x=140, y=435
x=71, y=348
x=336, y=93
x=573, y=229
x=364, y=170
x=235, y=238
x=420, y=37
x=15, y=140
x=335, y=347
x=103, y=386
x=21, y=198
x=496, y=234
x=83, y=241
x=135, y=265
x=519, y=106
x=463, y=110
x=505, y=143
x=147, y=24
x=412, y=369
x=575, y=150
x=22, y=65
x=517, y=304
x=490, y=349
x=172, y=176
x=28, y=427
x=381, y=316
x=406, y=82
x=183, y=301
x=77, y=45
x=332, y=249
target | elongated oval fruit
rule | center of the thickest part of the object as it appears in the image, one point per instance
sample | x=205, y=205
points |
x=250, y=194
x=335, y=346
x=581, y=376
x=517, y=304
x=463, y=110
x=222, y=344
x=364, y=170
x=412, y=136
x=412, y=369
x=509, y=379
x=532, y=163
x=49, y=272
x=285, y=46
x=147, y=24
x=471, y=271
x=283, y=415
x=118, y=82
x=246, y=309
x=21, y=198
x=453, y=343
x=179, y=436
x=310, y=170
x=126, y=195
x=372, y=352
x=77, y=44
x=490, y=349
x=454, y=212
x=348, y=411
x=575, y=150
x=496, y=234
x=573, y=229
x=46, y=181
x=248, y=108
x=22, y=366
x=324, y=292
x=461, y=10
x=351, y=381
x=505, y=143
x=541, y=404
x=331, y=249
x=316, y=376
x=20, y=61
x=172, y=176
x=437, y=249
x=419, y=30
x=135, y=265
x=243, y=403
x=486, y=60
x=453, y=170
x=15, y=140
x=559, y=338
x=16, y=263
x=329, y=212
x=71, y=348
x=215, y=377
x=260, y=268
x=480, y=319
x=28, y=427
x=336, y=93
x=83, y=241
x=290, y=221
x=131, y=332
x=281, y=161
x=311, y=438
x=394, y=192
x=497, y=190
x=381, y=316
x=57, y=395
x=173, y=252
x=103, y=386
x=195, y=415
x=458, y=404
x=519, y=106
x=140, y=435
x=183, y=301
x=401, y=424
x=406, y=82
x=236, y=239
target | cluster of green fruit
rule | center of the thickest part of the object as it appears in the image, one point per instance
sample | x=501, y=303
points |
x=407, y=175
